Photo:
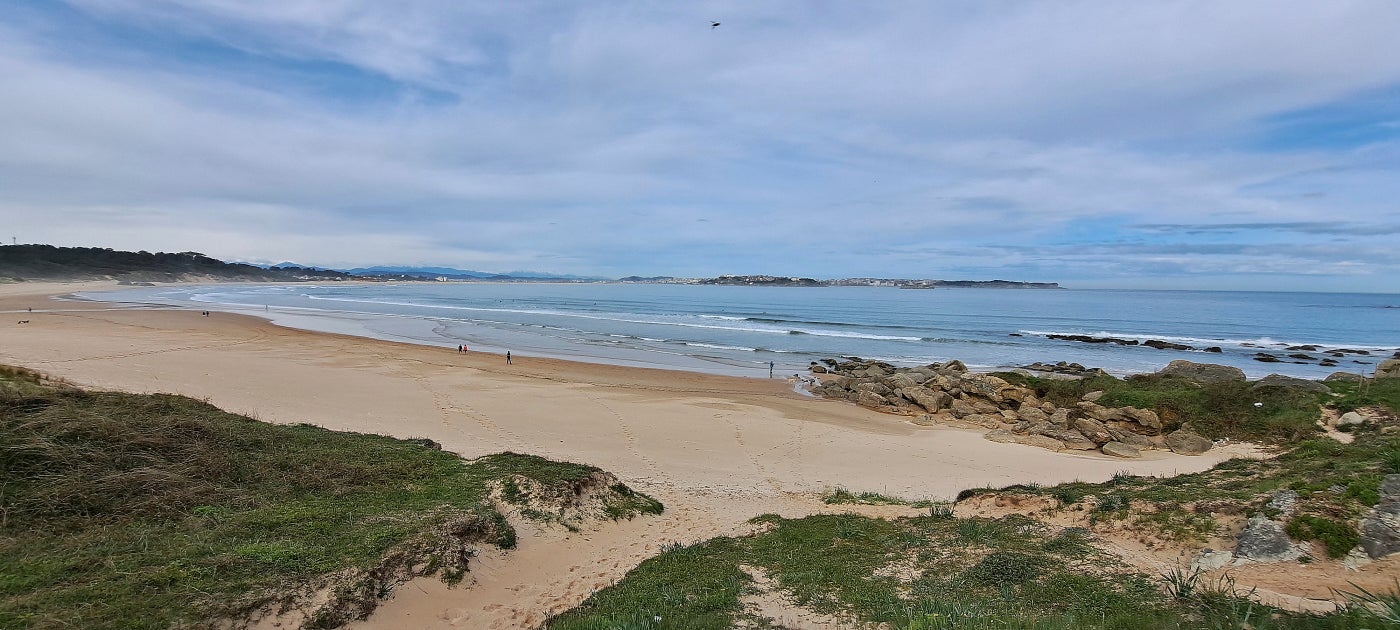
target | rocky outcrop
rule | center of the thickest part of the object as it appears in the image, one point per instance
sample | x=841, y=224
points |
x=1380, y=530
x=1264, y=540
x=1203, y=373
x=1013, y=413
x=1389, y=368
x=1345, y=377
x=1288, y=382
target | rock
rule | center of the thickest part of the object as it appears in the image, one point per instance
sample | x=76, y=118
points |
x=984, y=385
x=1072, y=439
x=1203, y=373
x=875, y=371
x=1380, y=530
x=866, y=398
x=1092, y=429
x=1165, y=345
x=1183, y=442
x=933, y=401
x=1345, y=377
x=986, y=420
x=1210, y=560
x=1060, y=418
x=955, y=366
x=1144, y=417
x=1131, y=439
x=1283, y=501
x=1032, y=414
x=1351, y=419
x=1119, y=449
x=1265, y=357
x=1088, y=339
x=1389, y=368
x=902, y=381
x=1093, y=396
x=817, y=369
x=1029, y=440
x=1263, y=540
x=1215, y=349
x=968, y=406
x=1289, y=382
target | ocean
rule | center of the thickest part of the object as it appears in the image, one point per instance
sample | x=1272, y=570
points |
x=739, y=330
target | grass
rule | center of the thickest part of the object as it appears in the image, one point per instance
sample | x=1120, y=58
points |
x=923, y=573
x=152, y=511
x=1215, y=411
x=840, y=495
x=1383, y=392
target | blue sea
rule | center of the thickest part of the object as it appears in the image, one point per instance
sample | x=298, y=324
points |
x=740, y=330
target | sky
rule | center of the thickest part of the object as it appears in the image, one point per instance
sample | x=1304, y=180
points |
x=1247, y=144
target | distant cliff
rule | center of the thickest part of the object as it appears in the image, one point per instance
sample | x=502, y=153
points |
x=46, y=262
x=903, y=283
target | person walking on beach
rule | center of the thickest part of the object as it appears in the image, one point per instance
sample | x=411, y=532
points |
x=770, y=369
x=507, y=357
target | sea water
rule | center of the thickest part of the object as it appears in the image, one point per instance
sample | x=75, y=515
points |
x=739, y=330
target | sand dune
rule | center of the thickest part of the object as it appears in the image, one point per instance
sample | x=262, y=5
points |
x=716, y=450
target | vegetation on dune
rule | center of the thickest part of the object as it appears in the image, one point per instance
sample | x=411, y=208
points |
x=47, y=262
x=938, y=571
x=147, y=511
x=1217, y=410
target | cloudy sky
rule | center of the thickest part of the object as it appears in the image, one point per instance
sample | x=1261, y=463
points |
x=1242, y=144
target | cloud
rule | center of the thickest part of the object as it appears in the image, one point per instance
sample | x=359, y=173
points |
x=902, y=139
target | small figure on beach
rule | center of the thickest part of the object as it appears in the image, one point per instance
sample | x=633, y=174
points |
x=459, y=348
x=770, y=369
x=507, y=357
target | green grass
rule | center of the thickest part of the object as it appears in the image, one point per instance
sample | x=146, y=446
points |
x=967, y=573
x=1215, y=411
x=840, y=496
x=1338, y=537
x=147, y=511
x=1384, y=392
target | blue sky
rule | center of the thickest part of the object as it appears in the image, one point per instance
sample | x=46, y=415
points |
x=1239, y=145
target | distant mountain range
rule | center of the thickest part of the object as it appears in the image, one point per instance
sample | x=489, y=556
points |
x=47, y=262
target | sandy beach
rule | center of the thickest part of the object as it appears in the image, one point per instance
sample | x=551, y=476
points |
x=716, y=450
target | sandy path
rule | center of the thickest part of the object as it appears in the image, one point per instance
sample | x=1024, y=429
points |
x=716, y=450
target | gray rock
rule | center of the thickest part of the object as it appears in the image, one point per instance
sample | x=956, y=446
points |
x=1032, y=414
x=1072, y=439
x=933, y=401
x=1284, y=501
x=875, y=371
x=1351, y=419
x=987, y=420
x=1203, y=373
x=1060, y=418
x=1185, y=442
x=1119, y=449
x=1389, y=368
x=901, y=381
x=1263, y=540
x=1380, y=530
x=1345, y=377
x=1131, y=439
x=968, y=406
x=1093, y=429
x=984, y=385
x=869, y=399
x=955, y=366
x=1093, y=396
x=873, y=387
x=1029, y=440
x=1144, y=417
x=1288, y=382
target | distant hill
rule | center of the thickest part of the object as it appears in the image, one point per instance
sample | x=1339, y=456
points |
x=46, y=262
x=461, y=274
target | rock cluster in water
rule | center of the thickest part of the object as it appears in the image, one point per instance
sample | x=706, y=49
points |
x=1012, y=412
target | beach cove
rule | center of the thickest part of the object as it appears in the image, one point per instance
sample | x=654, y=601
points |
x=716, y=450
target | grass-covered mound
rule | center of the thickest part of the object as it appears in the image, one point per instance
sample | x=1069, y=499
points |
x=151, y=511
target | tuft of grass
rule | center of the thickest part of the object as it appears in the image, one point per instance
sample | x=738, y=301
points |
x=1384, y=392
x=840, y=496
x=1339, y=537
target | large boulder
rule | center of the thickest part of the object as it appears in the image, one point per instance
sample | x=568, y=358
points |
x=984, y=385
x=1345, y=377
x=1032, y=414
x=1264, y=540
x=1093, y=429
x=1119, y=449
x=1203, y=373
x=1144, y=417
x=1029, y=440
x=1380, y=530
x=1185, y=442
x=1072, y=439
x=933, y=401
x=969, y=406
x=1279, y=381
x=1131, y=439
x=902, y=380
x=1389, y=368
x=871, y=400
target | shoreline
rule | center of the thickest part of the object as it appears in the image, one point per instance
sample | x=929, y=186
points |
x=716, y=450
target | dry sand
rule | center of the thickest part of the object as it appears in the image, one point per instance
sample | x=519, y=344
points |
x=716, y=450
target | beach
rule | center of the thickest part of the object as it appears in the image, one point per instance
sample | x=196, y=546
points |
x=716, y=450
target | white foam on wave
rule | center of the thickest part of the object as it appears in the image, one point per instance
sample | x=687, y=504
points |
x=1259, y=342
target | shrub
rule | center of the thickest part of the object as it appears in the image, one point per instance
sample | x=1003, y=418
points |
x=1337, y=536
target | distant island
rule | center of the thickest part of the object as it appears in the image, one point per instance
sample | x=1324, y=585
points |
x=47, y=262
